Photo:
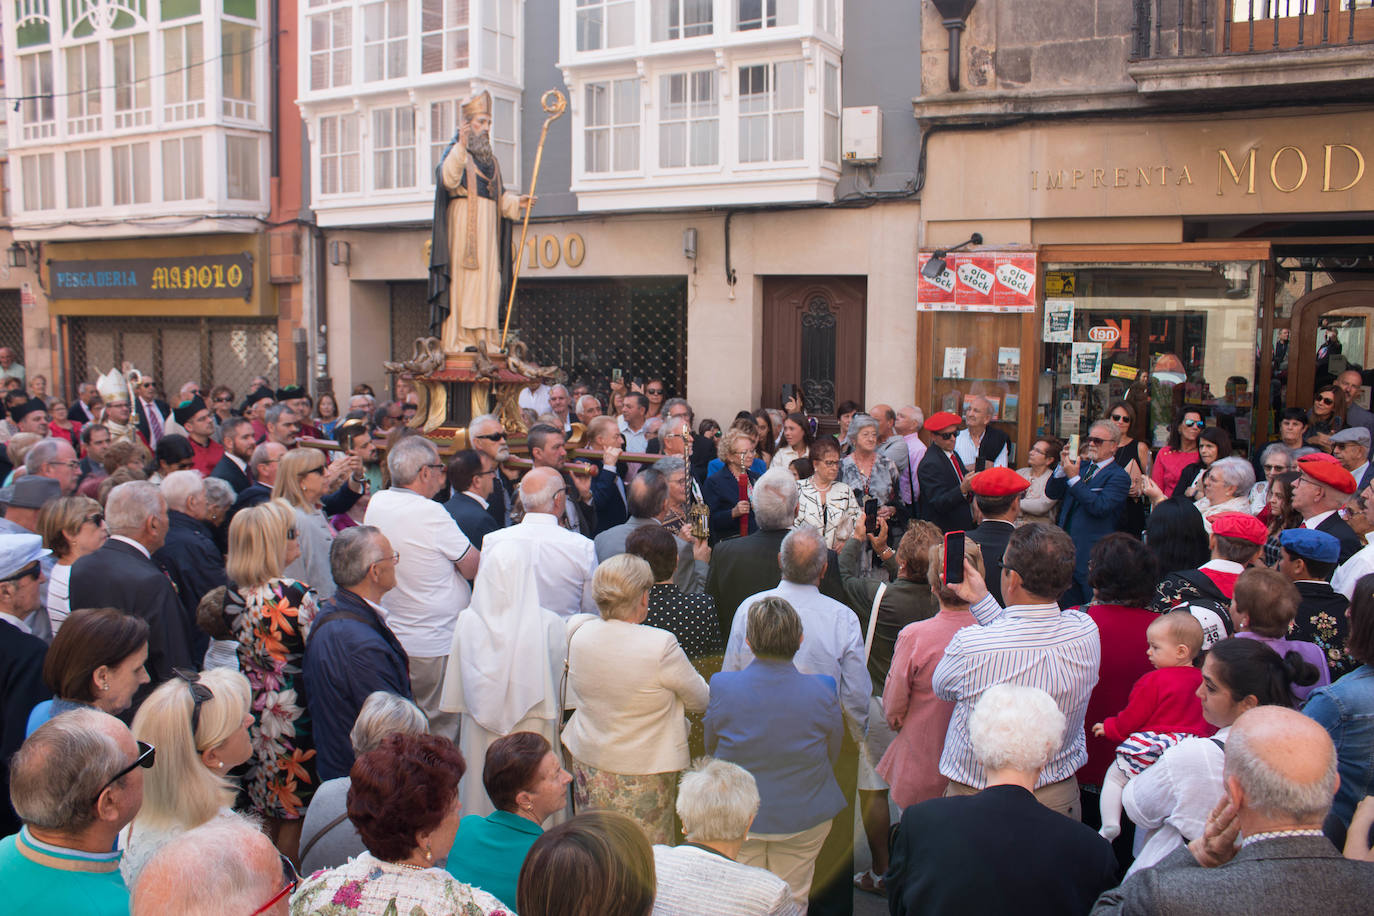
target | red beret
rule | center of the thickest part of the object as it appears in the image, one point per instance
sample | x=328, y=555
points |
x=1327, y=470
x=998, y=482
x=941, y=420
x=1240, y=526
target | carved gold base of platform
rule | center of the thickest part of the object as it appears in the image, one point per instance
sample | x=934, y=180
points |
x=468, y=385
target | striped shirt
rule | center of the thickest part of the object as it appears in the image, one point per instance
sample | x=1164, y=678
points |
x=1035, y=645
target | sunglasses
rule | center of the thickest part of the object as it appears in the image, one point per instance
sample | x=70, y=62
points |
x=1278, y=468
x=1121, y=418
x=33, y=569
x=292, y=879
x=1094, y=440
x=97, y=519
x=199, y=694
x=146, y=755
x=494, y=437
x=1326, y=400
x=945, y=436
x=1198, y=424
x=292, y=534
x=655, y=391
x=223, y=401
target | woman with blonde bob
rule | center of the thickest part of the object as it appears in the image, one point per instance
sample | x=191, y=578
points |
x=270, y=616
x=72, y=527
x=301, y=482
x=199, y=725
x=630, y=685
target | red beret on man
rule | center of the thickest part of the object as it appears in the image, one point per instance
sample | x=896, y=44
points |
x=996, y=482
x=1240, y=526
x=941, y=421
x=1327, y=470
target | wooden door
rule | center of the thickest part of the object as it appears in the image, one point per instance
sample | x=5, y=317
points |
x=1349, y=298
x=813, y=336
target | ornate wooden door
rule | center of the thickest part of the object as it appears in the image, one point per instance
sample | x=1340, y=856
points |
x=813, y=336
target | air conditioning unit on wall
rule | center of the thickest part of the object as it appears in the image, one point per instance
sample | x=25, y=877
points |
x=861, y=135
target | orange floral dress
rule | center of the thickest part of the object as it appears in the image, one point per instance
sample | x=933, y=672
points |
x=271, y=625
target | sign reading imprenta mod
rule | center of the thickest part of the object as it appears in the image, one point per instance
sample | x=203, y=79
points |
x=227, y=276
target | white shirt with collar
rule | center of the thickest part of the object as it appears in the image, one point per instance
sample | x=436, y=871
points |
x=16, y=623
x=239, y=462
x=135, y=544
x=636, y=441
x=1350, y=572
x=967, y=450
x=1317, y=519
x=1073, y=481
x=563, y=562
x=481, y=501
x=536, y=400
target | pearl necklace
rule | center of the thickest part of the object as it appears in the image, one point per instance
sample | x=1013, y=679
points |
x=1272, y=834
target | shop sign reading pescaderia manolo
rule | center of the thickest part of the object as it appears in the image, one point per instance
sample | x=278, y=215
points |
x=226, y=276
x=1144, y=167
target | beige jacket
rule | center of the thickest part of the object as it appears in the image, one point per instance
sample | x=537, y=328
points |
x=630, y=685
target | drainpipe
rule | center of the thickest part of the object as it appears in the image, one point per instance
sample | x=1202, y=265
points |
x=954, y=13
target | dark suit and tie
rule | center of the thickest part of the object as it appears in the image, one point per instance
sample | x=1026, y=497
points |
x=228, y=471
x=151, y=428
x=1089, y=510
x=474, y=520
x=942, y=502
x=119, y=575
x=1340, y=529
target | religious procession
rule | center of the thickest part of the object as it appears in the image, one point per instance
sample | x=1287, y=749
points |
x=635, y=458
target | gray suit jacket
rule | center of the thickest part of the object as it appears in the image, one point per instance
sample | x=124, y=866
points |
x=690, y=576
x=1283, y=875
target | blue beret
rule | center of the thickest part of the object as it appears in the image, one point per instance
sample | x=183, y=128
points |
x=1310, y=544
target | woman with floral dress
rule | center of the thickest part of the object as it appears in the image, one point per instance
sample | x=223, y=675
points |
x=270, y=617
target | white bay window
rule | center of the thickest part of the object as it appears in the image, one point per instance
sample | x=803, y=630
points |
x=689, y=120
x=612, y=126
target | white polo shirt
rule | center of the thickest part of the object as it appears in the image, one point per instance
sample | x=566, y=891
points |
x=423, y=607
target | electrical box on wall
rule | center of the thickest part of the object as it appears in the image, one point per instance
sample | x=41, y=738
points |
x=861, y=134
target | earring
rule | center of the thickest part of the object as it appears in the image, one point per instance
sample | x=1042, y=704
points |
x=104, y=686
x=219, y=764
x=429, y=856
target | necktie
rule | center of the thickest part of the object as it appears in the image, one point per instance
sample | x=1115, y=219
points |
x=154, y=423
x=958, y=465
x=1088, y=474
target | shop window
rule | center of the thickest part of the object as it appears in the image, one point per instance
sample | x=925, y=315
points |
x=764, y=14
x=443, y=35
x=39, y=182
x=36, y=108
x=770, y=112
x=331, y=49
x=393, y=147
x=384, y=40
x=238, y=56
x=1163, y=337
x=83, y=88
x=181, y=169
x=83, y=178
x=340, y=158
x=689, y=120
x=498, y=36
x=612, y=126
x=183, y=60
x=605, y=24
x=132, y=174
x=133, y=89
x=675, y=19
x=241, y=167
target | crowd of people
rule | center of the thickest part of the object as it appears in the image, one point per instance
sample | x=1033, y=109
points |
x=263, y=655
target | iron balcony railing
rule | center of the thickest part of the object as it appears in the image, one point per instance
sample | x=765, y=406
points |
x=1205, y=28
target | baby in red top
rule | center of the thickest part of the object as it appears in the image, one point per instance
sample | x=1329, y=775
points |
x=1162, y=711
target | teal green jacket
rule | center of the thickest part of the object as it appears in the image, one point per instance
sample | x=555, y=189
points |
x=40, y=878
x=488, y=852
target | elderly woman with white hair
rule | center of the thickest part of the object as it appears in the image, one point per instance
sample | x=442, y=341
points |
x=870, y=475
x=328, y=837
x=1225, y=488
x=968, y=854
x=716, y=802
x=728, y=491
x=1276, y=459
x=631, y=686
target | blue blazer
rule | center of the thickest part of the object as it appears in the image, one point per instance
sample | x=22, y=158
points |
x=720, y=492
x=474, y=521
x=785, y=728
x=1090, y=509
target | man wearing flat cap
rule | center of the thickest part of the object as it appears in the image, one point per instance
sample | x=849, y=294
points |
x=195, y=417
x=469, y=203
x=997, y=495
x=31, y=417
x=21, y=652
x=940, y=476
x=1322, y=488
x=1308, y=559
x=1351, y=448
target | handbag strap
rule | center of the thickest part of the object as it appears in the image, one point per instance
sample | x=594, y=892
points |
x=317, y=837
x=873, y=620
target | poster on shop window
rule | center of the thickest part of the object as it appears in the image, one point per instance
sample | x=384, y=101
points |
x=1086, y=368
x=979, y=281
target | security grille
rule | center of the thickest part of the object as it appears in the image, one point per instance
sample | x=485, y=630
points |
x=589, y=327
x=12, y=323
x=409, y=317
x=175, y=350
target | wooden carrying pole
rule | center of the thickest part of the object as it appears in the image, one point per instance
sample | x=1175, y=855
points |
x=554, y=104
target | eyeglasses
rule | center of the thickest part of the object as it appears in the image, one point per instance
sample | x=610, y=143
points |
x=292, y=879
x=33, y=569
x=199, y=694
x=73, y=464
x=1121, y=418
x=1195, y=423
x=747, y=454
x=494, y=437
x=830, y=462
x=98, y=519
x=394, y=558
x=1277, y=468
x=222, y=400
x=654, y=391
x=292, y=534
x=1326, y=400
x=491, y=473
x=437, y=467
x=318, y=470
x=146, y=754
